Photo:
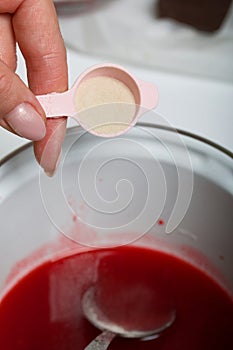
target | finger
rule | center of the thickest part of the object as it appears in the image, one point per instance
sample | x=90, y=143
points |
x=48, y=150
x=8, y=50
x=7, y=41
x=45, y=55
x=8, y=56
x=6, y=126
x=37, y=32
x=18, y=106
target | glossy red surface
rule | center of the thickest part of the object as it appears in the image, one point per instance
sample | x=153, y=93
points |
x=43, y=311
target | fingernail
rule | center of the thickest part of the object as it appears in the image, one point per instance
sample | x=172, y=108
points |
x=26, y=122
x=50, y=173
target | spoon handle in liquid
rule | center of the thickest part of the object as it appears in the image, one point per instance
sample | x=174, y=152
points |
x=102, y=341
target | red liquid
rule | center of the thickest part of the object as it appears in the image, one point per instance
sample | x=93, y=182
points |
x=43, y=311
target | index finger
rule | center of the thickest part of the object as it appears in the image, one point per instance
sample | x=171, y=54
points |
x=38, y=35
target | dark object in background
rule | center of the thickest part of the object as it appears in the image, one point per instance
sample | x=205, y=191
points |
x=206, y=15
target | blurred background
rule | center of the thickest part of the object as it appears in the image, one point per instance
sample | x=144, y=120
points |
x=185, y=36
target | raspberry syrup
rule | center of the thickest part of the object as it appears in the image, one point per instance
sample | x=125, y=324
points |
x=43, y=311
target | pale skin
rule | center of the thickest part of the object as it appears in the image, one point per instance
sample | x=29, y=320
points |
x=33, y=25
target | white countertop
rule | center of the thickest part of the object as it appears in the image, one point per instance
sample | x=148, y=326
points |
x=203, y=106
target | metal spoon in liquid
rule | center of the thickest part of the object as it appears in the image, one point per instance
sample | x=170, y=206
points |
x=109, y=322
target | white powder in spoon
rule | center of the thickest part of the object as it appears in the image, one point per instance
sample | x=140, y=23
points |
x=105, y=105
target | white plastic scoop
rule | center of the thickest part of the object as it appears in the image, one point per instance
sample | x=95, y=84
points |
x=106, y=100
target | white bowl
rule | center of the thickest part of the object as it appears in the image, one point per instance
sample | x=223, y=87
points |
x=123, y=176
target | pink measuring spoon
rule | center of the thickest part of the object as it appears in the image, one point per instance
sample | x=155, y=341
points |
x=63, y=104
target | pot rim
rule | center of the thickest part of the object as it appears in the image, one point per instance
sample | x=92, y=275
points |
x=182, y=132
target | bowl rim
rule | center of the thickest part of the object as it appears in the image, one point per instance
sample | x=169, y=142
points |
x=182, y=132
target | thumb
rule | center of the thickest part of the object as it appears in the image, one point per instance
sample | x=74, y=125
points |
x=19, y=109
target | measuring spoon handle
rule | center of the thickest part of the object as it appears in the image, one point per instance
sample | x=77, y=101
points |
x=102, y=341
x=57, y=104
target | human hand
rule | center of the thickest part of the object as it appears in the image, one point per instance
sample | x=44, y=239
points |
x=33, y=25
